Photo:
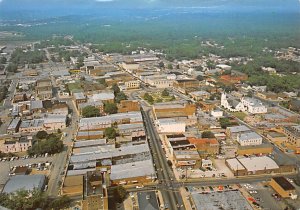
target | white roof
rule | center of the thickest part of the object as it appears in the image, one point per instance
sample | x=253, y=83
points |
x=249, y=136
x=234, y=164
x=131, y=170
x=237, y=129
x=102, y=96
x=259, y=163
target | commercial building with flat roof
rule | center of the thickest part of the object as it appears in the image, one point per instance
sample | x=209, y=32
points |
x=147, y=200
x=134, y=172
x=283, y=187
x=26, y=182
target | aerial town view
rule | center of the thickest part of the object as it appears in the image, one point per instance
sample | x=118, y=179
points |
x=149, y=104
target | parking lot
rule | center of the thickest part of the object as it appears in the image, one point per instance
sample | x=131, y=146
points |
x=7, y=165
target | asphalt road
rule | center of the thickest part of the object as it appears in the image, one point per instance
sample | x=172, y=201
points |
x=172, y=197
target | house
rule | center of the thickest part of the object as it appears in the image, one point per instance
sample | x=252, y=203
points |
x=293, y=134
x=13, y=145
x=283, y=187
x=44, y=89
x=249, y=138
x=232, y=104
x=254, y=106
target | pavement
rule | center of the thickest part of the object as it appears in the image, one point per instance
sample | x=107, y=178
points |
x=170, y=193
x=6, y=165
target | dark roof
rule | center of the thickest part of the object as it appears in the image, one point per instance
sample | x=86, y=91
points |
x=177, y=143
x=175, y=135
x=284, y=184
x=147, y=201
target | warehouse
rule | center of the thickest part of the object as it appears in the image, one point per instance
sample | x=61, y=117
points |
x=283, y=187
x=26, y=182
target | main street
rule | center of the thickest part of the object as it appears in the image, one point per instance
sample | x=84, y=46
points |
x=172, y=199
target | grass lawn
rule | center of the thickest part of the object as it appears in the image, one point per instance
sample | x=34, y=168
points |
x=240, y=115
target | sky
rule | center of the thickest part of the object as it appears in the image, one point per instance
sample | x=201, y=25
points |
x=70, y=7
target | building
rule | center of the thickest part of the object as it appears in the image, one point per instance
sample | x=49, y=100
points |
x=183, y=84
x=133, y=84
x=130, y=66
x=14, y=126
x=79, y=98
x=97, y=104
x=73, y=186
x=100, y=70
x=26, y=182
x=13, y=145
x=100, y=123
x=44, y=89
x=104, y=97
x=232, y=104
x=283, y=187
x=186, y=158
x=249, y=138
x=252, y=166
x=205, y=146
x=174, y=109
x=254, y=106
x=234, y=131
x=293, y=134
x=216, y=113
x=200, y=95
x=29, y=126
x=133, y=173
x=147, y=201
x=95, y=195
x=54, y=121
x=169, y=125
x=87, y=135
x=128, y=106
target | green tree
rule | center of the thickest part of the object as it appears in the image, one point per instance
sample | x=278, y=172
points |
x=80, y=61
x=207, y=134
x=120, y=96
x=110, y=133
x=110, y=108
x=41, y=134
x=161, y=64
x=12, y=68
x=170, y=66
x=200, y=78
x=90, y=111
x=60, y=203
x=115, y=88
x=148, y=98
x=165, y=93
x=120, y=194
x=3, y=60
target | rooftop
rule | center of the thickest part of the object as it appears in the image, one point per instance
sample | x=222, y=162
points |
x=131, y=170
x=238, y=129
x=284, y=184
x=26, y=182
x=249, y=136
x=147, y=201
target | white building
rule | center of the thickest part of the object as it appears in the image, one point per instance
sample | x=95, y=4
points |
x=217, y=113
x=254, y=106
x=134, y=84
x=232, y=104
x=248, y=139
x=169, y=125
